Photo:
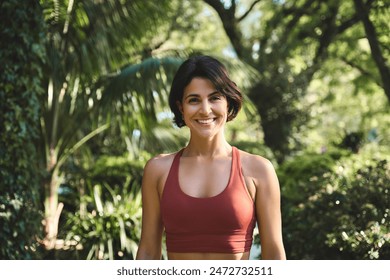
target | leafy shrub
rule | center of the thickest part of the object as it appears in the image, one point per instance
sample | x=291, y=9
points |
x=102, y=213
x=108, y=229
x=302, y=177
x=336, y=209
x=301, y=180
x=115, y=170
x=363, y=230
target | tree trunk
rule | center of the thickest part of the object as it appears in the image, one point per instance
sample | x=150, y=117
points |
x=376, y=52
x=53, y=209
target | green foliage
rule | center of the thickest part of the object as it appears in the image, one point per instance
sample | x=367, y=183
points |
x=363, y=228
x=116, y=170
x=110, y=228
x=336, y=209
x=21, y=56
x=89, y=37
x=101, y=217
x=196, y=27
x=304, y=175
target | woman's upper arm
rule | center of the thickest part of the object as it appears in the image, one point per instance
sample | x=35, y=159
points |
x=152, y=227
x=268, y=211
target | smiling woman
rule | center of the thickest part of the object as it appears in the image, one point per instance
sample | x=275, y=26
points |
x=208, y=196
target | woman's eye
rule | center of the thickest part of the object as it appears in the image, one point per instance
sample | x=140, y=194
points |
x=216, y=97
x=192, y=100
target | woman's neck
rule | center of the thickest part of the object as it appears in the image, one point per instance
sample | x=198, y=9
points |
x=218, y=146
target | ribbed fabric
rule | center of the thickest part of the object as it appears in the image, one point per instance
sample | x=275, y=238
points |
x=220, y=224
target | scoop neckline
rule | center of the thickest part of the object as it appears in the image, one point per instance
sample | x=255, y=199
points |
x=209, y=197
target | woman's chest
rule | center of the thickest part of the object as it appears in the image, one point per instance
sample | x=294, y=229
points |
x=201, y=179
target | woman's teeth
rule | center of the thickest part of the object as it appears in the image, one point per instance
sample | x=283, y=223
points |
x=205, y=121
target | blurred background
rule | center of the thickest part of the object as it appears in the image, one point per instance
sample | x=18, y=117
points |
x=83, y=106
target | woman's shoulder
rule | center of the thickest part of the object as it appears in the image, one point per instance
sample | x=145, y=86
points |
x=160, y=163
x=256, y=165
x=254, y=160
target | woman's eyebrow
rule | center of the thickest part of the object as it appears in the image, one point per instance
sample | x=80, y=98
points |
x=215, y=92
x=197, y=95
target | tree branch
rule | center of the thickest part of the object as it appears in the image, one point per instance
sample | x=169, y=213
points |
x=376, y=52
x=328, y=34
x=298, y=13
x=217, y=6
x=248, y=11
x=229, y=23
x=147, y=52
x=361, y=70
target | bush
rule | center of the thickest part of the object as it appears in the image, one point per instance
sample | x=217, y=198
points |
x=102, y=214
x=108, y=229
x=363, y=229
x=336, y=209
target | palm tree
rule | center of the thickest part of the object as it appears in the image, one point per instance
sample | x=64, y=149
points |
x=86, y=42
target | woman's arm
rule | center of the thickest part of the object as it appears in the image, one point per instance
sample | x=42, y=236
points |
x=152, y=227
x=268, y=211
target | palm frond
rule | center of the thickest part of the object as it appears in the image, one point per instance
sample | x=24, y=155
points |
x=150, y=75
x=139, y=91
x=95, y=36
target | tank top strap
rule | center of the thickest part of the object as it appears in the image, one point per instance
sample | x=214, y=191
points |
x=176, y=160
x=172, y=181
x=236, y=161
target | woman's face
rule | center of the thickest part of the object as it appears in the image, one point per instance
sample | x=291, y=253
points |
x=204, y=109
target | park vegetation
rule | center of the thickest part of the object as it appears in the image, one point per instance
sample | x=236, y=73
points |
x=84, y=88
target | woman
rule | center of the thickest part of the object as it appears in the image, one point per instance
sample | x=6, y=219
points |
x=208, y=196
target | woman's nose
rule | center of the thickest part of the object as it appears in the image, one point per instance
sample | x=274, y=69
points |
x=205, y=108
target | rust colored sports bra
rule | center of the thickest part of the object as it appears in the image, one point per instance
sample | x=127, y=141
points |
x=220, y=224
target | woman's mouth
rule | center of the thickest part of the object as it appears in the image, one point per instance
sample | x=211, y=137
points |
x=205, y=121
